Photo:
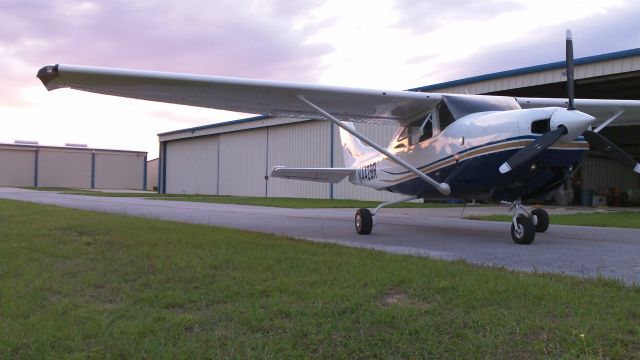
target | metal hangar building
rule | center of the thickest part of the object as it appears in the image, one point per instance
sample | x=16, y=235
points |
x=236, y=157
x=28, y=164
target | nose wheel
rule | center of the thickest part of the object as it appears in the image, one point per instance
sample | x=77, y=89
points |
x=527, y=223
x=522, y=230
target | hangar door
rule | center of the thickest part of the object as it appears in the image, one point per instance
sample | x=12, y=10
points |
x=119, y=170
x=17, y=167
x=192, y=166
x=64, y=168
x=303, y=144
x=243, y=163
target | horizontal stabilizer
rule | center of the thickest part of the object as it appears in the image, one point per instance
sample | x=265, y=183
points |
x=327, y=175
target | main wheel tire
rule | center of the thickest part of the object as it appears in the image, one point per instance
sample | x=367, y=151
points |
x=543, y=219
x=525, y=232
x=364, y=221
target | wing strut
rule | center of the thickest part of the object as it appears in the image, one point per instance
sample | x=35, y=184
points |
x=443, y=188
x=608, y=121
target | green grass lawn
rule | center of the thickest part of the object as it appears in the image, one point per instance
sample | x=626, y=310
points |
x=76, y=285
x=623, y=219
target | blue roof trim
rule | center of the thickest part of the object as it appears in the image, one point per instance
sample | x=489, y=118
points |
x=530, y=69
x=211, y=126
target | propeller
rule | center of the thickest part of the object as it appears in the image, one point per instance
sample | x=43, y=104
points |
x=611, y=150
x=569, y=123
x=534, y=148
x=570, y=73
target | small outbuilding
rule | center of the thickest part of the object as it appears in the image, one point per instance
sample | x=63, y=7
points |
x=74, y=166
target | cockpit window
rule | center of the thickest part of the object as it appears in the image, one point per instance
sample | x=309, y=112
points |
x=453, y=107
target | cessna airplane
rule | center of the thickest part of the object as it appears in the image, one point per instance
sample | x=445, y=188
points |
x=495, y=148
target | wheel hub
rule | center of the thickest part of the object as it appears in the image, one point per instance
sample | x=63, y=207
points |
x=519, y=231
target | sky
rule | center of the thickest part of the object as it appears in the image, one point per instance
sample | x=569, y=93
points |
x=388, y=44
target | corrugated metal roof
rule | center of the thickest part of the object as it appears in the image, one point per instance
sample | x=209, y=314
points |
x=530, y=69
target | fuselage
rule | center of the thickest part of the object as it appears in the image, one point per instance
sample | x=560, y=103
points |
x=467, y=154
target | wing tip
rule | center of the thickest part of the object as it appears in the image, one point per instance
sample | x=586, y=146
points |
x=47, y=75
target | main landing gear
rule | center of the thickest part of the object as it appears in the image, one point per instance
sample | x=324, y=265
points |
x=524, y=226
x=526, y=223
x=365, y=220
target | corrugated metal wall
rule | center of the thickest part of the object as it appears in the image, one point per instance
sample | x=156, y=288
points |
x=118, y=170
x=152, y=174
x=64, y=168
x=17, y=167
x=243, y=163
x=600, y=172
x=247, y=156
x=192, y=166
x=303, y=144
x=70, y=167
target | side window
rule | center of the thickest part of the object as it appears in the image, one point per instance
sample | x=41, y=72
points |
x=423, y=130
x=414, y=133
x=401, y=138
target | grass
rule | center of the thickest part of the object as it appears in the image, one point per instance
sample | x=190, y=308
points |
x=297, y=203
x=77, y=284
x=622, y=219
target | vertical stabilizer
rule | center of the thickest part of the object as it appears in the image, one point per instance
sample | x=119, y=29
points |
x=353, y=150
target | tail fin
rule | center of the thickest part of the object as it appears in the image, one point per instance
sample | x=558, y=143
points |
x=353, y=150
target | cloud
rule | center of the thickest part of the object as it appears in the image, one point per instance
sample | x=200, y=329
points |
x=425, y=16
x=610, y=31
x=229, y=38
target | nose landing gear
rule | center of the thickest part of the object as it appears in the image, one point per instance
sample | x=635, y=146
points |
x=526, y=223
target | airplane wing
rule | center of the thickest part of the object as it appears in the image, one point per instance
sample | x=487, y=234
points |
x=244, y=95
x=332, y=175
x=600, y=109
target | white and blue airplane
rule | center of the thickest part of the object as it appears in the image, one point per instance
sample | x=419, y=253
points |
x=494, y=148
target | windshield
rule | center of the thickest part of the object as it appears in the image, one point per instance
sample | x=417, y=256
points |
x=453, y=107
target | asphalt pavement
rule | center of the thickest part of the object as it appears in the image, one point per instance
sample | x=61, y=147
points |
x=439, y=233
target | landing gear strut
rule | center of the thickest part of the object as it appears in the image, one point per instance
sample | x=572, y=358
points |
x=365, y=220
x=526, y=223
